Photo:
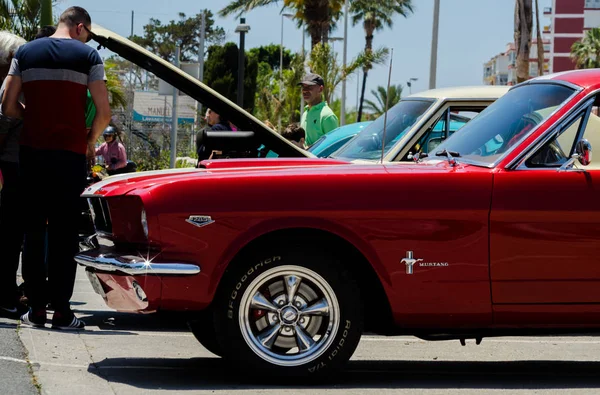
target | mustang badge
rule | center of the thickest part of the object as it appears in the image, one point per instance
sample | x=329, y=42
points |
x=410, y=261
x=200, y=220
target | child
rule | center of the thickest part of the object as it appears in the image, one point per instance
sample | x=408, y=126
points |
x=295, y=134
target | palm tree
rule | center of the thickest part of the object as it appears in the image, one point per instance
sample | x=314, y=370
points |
x=383, y=99
x=540, y=41
x=46, y=13
x=586, y=52
x=114, y=85
x=375, y=15
x=323, y=62
x=318, y=16
x=523, y=22
x=21, y=17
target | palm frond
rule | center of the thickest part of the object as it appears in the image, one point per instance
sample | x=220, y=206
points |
x=238, y=7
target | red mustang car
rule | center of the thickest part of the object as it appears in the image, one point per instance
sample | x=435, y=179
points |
x=288, y=261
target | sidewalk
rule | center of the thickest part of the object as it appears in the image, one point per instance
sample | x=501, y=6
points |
x=117, y=353
x=15, y=375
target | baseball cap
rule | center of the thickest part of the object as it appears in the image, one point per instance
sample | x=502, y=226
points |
x=312, y=79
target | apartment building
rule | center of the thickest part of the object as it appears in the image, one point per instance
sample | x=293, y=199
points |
x=501, y=69
x=569, y=19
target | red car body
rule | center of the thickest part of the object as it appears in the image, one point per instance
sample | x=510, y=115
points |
x=495, y=249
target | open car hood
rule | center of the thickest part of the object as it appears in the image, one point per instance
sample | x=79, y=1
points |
x=197, y=90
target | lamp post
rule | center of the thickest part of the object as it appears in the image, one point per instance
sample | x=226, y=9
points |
x=281, y=67
x=174, y=116
x=434, y=44
x=409, y=84
x=333, y=40
x=242, y=29
x=343, y=108
x=303, y=62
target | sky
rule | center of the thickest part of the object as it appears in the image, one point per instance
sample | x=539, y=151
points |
x=470, y=33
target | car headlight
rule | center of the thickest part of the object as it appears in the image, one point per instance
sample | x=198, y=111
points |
x=144, y=221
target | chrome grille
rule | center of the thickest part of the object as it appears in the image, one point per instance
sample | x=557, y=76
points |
x=100, y=214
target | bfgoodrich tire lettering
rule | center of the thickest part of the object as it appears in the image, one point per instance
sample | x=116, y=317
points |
x=297, y=313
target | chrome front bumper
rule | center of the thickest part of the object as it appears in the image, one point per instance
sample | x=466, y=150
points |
x=103, y=259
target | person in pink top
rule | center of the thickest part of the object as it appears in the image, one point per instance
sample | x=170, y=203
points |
x=112, y=151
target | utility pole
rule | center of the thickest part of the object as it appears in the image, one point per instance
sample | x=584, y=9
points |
x=280, y=75
x=131, y=98
x=201, y=63
x=434, y=44
x=174, y=114
x=303, y=63
x=343, y=109
x=242, y=28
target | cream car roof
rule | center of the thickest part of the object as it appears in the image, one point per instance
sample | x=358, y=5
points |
x=464, y=92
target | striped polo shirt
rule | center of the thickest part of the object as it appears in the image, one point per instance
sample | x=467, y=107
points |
x=55, y=73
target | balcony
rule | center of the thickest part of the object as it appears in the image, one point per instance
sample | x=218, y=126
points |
x=547, y=10
x=547, y=29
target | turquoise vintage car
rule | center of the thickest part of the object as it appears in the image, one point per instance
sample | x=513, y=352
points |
x=334, y=140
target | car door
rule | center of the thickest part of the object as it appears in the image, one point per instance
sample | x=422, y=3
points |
x=545, y=223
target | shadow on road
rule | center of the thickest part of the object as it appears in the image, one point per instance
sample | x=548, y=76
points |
x=214, y=374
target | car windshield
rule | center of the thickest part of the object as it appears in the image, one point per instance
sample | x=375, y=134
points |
x=317, y=143
x=401, y=117
x=504, y=123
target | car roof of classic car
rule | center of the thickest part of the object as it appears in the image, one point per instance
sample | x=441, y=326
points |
x=464, y=92
x=587, y=78
x=197, y=90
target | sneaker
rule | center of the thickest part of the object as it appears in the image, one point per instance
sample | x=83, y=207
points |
x=67, y=322
x=34, y=318
x=9, y=312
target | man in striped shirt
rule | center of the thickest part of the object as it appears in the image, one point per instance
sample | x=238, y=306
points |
x=54, y=74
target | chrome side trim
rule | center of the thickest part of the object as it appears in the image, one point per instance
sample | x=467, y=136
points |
x=132, y=265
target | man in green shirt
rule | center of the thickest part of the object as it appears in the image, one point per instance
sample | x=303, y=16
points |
x=317, y=119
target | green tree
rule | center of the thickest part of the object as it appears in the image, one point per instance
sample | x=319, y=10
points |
x=375, y=15
x=21, y=17
x=378, y=106
x=115, y=86
x=586, y=52
x=268, y=106
x=269, y=54
x=162, y=39
x=318, y=16
x=323, y=62
x=221, y=73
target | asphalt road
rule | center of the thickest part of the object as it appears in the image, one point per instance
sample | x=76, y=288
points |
x=133, y=354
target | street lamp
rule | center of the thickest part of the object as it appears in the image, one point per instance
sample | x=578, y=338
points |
x=281, y=66
x=242, y=28
x=343, y=107
x=409, y=84
x=333, y=40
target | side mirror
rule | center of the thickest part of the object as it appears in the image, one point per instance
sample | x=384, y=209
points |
x=583, y=154
x=583, y=150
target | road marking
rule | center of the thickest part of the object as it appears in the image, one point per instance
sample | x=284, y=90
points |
x=9, y=359
x=487, y=340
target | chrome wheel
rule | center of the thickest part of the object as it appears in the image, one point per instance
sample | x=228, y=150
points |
x=289, y=315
